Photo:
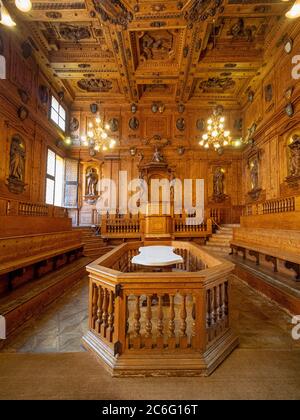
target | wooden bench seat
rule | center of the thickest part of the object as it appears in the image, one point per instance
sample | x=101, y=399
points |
x=262, y=242
x=24, y=262
x=24, y=258
x=30, y=299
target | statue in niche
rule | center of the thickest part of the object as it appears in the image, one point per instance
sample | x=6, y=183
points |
x=218, y=182
x=157, y=156
x=254, y=174
x=16, y=178
x=91, y=182
x=17, y=159
x=294, y=161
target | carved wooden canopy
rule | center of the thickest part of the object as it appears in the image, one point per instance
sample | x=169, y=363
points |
x=173, y=50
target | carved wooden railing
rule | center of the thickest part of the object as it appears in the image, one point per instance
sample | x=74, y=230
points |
x=9, y=207
x=114, y=225
x=280, y=205
x=216, y=214
x=182, y=228
x=168, y=323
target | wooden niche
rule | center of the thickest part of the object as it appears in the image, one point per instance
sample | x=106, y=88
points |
x=17, y=160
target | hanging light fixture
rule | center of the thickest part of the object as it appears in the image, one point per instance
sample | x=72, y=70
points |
x=23, y=5
x=294, y=11
x=97, y=137
x=216, y=135
x=5, y=17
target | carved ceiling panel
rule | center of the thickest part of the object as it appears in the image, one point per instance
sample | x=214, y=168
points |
x=176, y=50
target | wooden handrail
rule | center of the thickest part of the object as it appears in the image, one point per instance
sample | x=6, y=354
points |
x=133, y=312
x=279, y=205
x=10, y=207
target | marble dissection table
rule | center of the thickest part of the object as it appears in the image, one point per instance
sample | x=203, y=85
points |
x=157, y=257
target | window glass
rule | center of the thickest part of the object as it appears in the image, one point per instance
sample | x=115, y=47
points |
x=58, y=113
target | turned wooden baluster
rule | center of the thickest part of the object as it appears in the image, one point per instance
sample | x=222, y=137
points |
x=148, y=326
x=127, y=316
x=222, y=301
x=217, y=305
x=172, y=338
x=94, y=304
x=183, y=342
x=99, y=309
x=104, y=312
x=160, y=324
x=137, y=324
x=193, y=334
x=110, y=320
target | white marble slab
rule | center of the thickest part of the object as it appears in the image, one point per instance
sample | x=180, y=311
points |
x=157, y=255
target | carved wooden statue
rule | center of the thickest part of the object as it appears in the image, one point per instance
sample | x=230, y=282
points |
x=17, y=159
x=157, y=156
x=294, y=161
x=218, y=181
x=91, y=181
x=254, y=174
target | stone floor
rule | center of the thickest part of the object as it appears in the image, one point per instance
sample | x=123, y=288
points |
x=258, y=322
x=43, y=361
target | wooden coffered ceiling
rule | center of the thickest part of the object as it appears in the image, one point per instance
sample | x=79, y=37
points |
x=140, y=50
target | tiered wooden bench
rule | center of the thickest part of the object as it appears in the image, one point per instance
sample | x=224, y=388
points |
x=27, y=258
x=21, y=304
x=23, y=258
x=273, y=244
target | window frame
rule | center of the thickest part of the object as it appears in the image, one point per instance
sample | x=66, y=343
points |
x=53, y=178
x=60, y=106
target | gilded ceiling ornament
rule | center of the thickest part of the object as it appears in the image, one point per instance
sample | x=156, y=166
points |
x=53, y=15
x=156, y=45
x=158, y=24
x=240, y=31
x=203, y=9
x=114, y=12
x=224, y=83
x=95, y=85
x=74, y=32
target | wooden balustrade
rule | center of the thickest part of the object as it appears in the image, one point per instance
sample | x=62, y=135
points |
x=115, y=226
x=168, y=323
x=280, y=205
x=9, y=207
x=19, y=217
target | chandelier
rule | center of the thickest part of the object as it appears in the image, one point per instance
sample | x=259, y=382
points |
x=97, y=136
x=216, y=135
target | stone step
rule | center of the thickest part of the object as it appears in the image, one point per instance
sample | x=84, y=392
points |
x=230, y=226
